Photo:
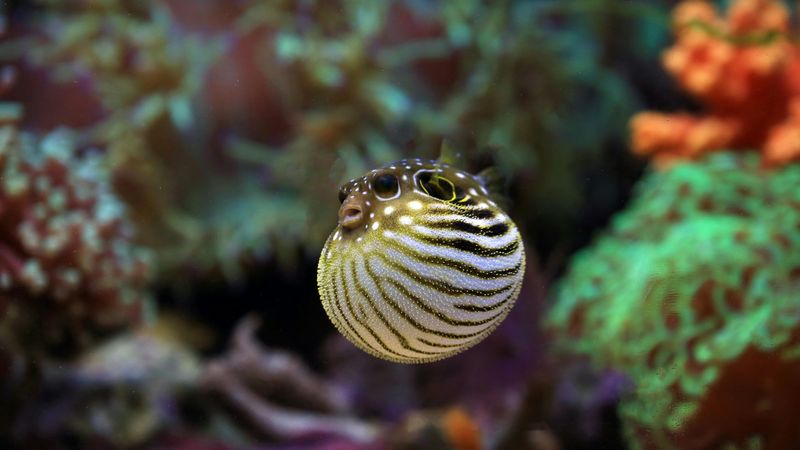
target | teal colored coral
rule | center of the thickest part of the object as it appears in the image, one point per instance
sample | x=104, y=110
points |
x=702, y=267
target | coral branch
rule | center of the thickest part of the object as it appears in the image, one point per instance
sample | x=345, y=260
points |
x=279, y=373
x=252, y=379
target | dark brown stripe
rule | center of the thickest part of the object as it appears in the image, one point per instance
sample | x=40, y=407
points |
x=494, y=230
x=437, y=345
x=484, y=308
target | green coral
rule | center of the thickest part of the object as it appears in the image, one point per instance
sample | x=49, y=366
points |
x=702, y=266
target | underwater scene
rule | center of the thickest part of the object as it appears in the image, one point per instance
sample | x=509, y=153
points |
x=400, y=224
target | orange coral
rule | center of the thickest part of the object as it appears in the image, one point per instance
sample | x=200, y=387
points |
x=783, y=142
x=461, y=429
x=671, y=136
x=746, y=72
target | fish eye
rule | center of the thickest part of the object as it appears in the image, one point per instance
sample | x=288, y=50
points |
x=342, y=194
x=439, y=187
x=385, y=185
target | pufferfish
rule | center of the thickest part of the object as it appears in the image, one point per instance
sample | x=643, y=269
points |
x=423, y=263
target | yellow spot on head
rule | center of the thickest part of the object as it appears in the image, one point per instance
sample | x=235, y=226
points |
x=376, y=225
x=415, y=205
x=405, y=220
x=388, y=210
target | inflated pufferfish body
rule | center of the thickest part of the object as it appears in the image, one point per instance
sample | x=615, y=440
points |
x=422, y=265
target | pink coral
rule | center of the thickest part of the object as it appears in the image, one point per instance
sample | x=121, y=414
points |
x=68, y=268
x=743, y=68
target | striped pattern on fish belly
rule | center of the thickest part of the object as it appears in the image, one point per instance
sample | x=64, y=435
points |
x=425, y=286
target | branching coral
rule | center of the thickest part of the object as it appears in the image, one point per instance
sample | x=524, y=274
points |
x=365, y=82
x=693, y=294
x=744, y=68
x=68, y=267
x=358, y=88
x=126, y=46
x=145, y=72
x=276, y=397
x=257, y=382
x=308, y=93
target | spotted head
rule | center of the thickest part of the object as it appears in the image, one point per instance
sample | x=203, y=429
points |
x=422, y=264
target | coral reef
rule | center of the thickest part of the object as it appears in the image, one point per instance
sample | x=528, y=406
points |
x=379, y=81
x=295, y=97
x=206, y=141
x=692, y=294
x=584, y=404
x=275, y=397
x=744, y=69
x=70, y=272
x=121, y=394
x=691, y=291
x=129, y=50
x=257, y=381
x=68, y=267
x=144, y=71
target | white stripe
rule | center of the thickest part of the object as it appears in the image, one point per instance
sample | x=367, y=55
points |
x=484, y=262
x=489, y=242
x=403, y=328
x=444, y=302
x=355, y=300
x=410, y=332
x=461, y=217
x=454, y=276
x=345, y=324
x=434, y=323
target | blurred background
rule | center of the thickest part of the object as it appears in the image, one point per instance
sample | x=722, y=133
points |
x=169, y=171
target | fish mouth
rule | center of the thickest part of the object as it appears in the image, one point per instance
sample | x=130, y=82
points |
x=351, y=214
